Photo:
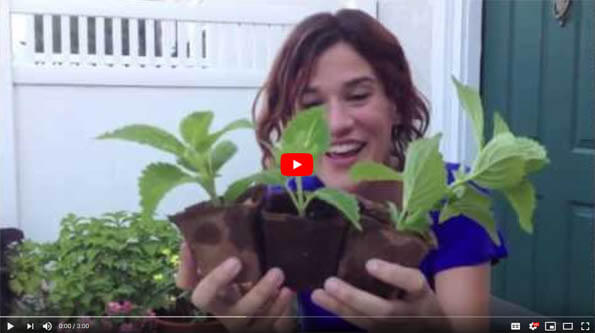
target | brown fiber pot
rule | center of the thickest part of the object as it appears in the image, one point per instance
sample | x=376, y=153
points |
x=379, y=239
x=217, y=233
x=308, y=248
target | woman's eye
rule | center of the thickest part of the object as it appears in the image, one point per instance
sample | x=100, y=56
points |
x=358, y=97
x=311, y=104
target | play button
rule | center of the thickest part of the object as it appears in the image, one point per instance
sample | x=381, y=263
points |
x=9, y=326
x=297, y=164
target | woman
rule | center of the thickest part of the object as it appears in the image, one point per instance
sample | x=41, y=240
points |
x=357, y=69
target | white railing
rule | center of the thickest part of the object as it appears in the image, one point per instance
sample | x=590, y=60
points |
x=103, y=41
x=132, y=33
x=208, y=41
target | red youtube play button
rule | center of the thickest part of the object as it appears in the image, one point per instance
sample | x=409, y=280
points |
x=297, y=164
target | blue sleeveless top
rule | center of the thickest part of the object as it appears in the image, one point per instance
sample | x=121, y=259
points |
x=461, y=242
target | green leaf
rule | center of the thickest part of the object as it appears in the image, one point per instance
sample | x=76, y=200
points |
x=499, y=125
x=307, y=132
x=209, y=140
x=522, y=199
x=394, y=213
x=471, y=102
x=237, y=124
x=424, y=175
x=198, y=161
x=156, y=180
x=151, y=248
x=237, y=188
x=476, y=206
x=269, y=177
x=195, y=127
x=533, y=153
x=447, y=212
x=500, y=164
x=16, y=286
x=345, y=203
x=265, y=177
x=460, y=172
x=418, y=222
x=126, y=290
x=147, y=135
x=373, y=171
x=221, y=154
x=186, y=164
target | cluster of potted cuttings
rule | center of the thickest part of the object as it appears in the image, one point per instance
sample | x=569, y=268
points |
x=312, y=235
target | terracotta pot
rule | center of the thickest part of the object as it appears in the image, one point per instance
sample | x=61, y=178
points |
x=307, y=249
x=379, y=239
x=217, y=233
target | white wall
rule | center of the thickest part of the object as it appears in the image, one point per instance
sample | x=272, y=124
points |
x=411, y=22
x=64, y=169
x=441, y=38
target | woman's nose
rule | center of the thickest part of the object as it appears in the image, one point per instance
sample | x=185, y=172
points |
x=340, y=121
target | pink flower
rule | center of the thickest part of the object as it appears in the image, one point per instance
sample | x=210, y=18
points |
x=113, y=308
x=150, y=313
x=121, y=307
x=126, y=307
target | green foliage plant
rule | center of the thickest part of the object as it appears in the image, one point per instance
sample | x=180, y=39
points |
x=199, y=156
x=502, y=164
x=307, y=132
x=97, y=260
x=29, y=264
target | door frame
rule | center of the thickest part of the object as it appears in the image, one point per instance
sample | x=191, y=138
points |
x=457, y=44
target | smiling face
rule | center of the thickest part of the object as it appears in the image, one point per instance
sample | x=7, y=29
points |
x=360, y=115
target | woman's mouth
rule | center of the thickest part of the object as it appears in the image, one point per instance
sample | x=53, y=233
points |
x=344, y=154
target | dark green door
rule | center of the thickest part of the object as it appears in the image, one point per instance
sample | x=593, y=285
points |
x=540, y=75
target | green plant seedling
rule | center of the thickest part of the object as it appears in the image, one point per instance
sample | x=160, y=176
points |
x=307, y=132
x=199, y=156
x=502, y=164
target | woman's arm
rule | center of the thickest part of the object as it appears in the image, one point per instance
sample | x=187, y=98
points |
x=465, y=291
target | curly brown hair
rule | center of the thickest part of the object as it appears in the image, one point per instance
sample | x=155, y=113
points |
x=278, y=99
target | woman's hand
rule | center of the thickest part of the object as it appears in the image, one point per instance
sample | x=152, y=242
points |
x=374, y=313
x=267, y=306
